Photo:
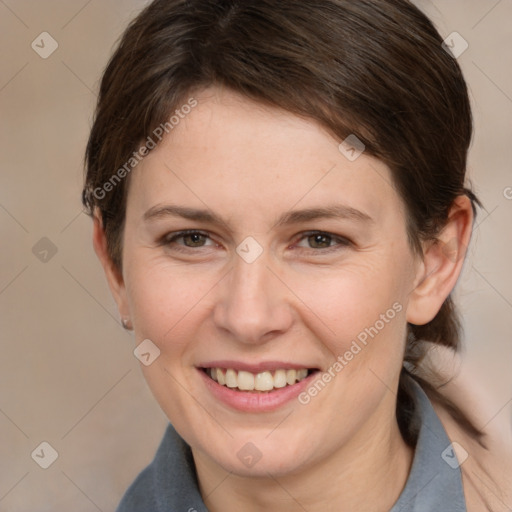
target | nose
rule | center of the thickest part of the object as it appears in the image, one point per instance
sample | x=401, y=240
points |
x=252, y=304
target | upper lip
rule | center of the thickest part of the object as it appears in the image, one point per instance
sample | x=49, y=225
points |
x=255, y=367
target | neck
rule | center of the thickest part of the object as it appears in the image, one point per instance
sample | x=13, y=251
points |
x=372, y=469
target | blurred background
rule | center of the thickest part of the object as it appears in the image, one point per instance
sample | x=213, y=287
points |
x=68, y=376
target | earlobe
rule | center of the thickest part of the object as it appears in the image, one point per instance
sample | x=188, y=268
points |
x=114, y=276
x=442, y=264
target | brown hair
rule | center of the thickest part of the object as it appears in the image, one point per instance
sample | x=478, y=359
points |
x=372, y=68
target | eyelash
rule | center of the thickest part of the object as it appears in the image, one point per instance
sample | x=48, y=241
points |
x=170, y=238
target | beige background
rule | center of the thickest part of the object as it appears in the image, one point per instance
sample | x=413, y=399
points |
x=67, y=372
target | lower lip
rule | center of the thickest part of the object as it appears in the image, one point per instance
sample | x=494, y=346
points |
x=248, y=401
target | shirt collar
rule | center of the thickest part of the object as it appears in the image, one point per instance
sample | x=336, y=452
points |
x=435, y=480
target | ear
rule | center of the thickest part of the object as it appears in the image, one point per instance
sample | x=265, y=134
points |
x=114, y=276
x=442, y=264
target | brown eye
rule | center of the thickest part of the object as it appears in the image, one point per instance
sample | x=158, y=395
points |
x=196, y=239
x=321, y=240
x=191, y=239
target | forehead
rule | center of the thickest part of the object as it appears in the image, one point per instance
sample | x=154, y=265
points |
x=229, y=151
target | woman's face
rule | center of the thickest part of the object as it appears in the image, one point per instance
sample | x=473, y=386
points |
x=256, y=294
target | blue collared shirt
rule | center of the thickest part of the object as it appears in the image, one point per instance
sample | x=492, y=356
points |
x=169, y=483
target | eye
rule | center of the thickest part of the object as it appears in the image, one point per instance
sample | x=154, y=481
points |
x=322, y=240
x=191, y=239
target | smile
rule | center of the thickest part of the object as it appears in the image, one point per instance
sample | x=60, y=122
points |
x=263, y=381
x=256, y=388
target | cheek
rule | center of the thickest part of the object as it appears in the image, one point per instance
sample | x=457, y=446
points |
x=167, y=304
x=348, y=300
x=359, y=316
x=164, y=301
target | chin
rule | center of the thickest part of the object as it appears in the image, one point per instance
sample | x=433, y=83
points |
x=258, y=458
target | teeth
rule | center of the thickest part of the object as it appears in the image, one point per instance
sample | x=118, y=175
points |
x=245, y=381
x=302, y=374
x=280, y=379
x=291, y=376
x=263, y=381
x=231, y=379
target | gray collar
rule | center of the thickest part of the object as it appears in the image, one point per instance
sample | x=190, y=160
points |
x=169, y=483
x=435, y=480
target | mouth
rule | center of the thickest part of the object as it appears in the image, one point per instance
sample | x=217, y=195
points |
x=255, y=387
x=268, y=381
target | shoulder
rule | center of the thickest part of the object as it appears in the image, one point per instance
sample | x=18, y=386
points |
x=143, y=493
x=140, y=495
x=168, y=483
x=486, y=471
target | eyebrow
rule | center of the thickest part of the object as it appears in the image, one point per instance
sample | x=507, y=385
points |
x=335, y=211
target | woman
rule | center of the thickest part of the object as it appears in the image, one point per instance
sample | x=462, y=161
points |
x=279, y=204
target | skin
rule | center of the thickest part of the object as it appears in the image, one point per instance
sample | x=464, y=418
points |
x=298, y=302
